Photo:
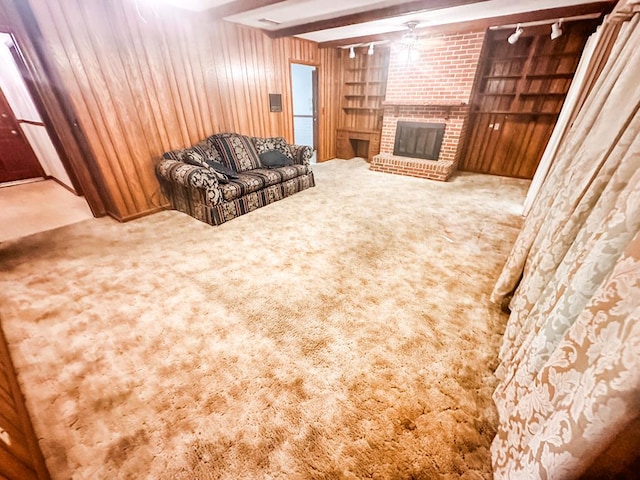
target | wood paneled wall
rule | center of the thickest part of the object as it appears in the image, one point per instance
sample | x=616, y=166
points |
x=144, y=80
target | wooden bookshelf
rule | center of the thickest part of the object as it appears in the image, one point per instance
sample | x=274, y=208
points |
x=364, y=84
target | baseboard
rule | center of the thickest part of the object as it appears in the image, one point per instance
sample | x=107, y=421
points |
x=67, y=187
x=137, y=215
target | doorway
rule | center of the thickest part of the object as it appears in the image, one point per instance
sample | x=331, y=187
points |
x=304, y=94
x=36, y=191
x=26, y=149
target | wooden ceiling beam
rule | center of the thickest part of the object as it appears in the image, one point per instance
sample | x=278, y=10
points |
x=236, y=7
x=482, y=23
x=368, y=16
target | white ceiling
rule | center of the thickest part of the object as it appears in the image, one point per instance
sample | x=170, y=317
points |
x=194, y=5
x=296, y=12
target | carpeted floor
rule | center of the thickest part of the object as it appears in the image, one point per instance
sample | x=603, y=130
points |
x=342, y=333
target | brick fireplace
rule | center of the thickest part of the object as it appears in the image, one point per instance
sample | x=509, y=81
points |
x=431, y=83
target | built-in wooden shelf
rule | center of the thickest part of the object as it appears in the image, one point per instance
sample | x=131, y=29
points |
x=509, y=112
x=543, y=94
x=371, y=67
x=361, y=108
x=501, y=77
x=364, y=82
x=550, y=75
x=357, y=82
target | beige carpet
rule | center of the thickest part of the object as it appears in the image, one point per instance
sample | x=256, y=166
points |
x=38, y=206
x=342, y=333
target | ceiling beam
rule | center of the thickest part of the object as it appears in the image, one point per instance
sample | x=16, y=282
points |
x=481, y=24
x=237, y=6
x=369, y=16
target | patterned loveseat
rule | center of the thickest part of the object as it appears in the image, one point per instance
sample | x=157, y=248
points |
x=195, y=188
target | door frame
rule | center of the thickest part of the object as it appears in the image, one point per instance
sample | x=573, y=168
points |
x=316, y=100
x=54, y=105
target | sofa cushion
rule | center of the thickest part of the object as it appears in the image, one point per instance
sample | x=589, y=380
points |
x=273, y=143
x=273, y=176
x=292, y=171
x=237, y=151
x=274, y=158
x=245, y=183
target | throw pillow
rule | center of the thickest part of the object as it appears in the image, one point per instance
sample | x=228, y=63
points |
x=194, y=158
x=274, y=159
x=237, y=151
x=220, y=168
x=273, y=143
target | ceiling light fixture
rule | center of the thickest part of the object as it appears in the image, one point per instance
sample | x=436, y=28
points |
x=513, y=38
x=269, y=21
x=410, y=38
x=556, y=29
x=352, y=52
x=370, y=50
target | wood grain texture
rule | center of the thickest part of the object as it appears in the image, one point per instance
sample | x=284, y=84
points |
x=517, y=98
x=20, y=455
x=364, y=85
x=144, y=82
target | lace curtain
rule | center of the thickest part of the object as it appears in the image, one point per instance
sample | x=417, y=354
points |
x=569, y=368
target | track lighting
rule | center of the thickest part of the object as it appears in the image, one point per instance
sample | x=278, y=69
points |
x=513, y=38
x=352, y=52
x=370, y=50
x=556, y=31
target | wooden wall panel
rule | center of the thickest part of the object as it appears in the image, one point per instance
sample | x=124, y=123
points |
x=518, y=97
x=20, y=454
x=144, y=82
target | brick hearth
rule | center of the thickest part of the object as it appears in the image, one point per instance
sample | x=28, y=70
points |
x=432, y=86
x=414, y=167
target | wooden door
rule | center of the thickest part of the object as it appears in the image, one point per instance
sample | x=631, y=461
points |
x=20, y=455
x=17, y=160
x=518, y=97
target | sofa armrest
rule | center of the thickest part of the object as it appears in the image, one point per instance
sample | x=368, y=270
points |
x=301, y=153
x=191, y=177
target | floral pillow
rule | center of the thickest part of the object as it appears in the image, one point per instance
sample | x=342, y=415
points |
x=194, y=158
x=273, y=143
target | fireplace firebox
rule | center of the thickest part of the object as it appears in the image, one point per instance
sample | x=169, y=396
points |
x=418, y=140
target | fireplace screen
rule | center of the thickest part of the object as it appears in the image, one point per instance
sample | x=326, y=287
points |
x=418, y=140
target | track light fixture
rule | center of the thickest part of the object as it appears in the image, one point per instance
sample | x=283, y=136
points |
x=513, y=38
x=352, y=52
x=556, y=29
x=370, y=50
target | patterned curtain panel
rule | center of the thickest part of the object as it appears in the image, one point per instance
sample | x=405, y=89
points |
x=570, y=360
